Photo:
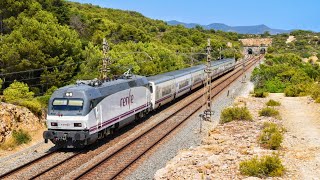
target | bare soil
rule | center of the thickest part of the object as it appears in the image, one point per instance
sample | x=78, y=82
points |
x=36, y=139
x=229, y=144
x=301, y=118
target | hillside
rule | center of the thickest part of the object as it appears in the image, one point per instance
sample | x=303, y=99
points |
x=46, y=44
x=257, y=29
x=54, y=42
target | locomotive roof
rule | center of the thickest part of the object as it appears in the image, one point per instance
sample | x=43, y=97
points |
x=104, y=89
x=122, y=84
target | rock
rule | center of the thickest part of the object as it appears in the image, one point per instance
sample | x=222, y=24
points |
x=160, y=174
x=214, y=159
x=230, y=158
x=252, y=178
x=13, y=117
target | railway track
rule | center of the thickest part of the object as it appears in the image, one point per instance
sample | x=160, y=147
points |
x=141, y=144
x=29, y=172
x=114, y=164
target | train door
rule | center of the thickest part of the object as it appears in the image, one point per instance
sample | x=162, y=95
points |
x=98, y=115
x=152, y=89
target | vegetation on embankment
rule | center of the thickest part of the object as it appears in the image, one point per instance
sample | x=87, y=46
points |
x=269, y=112
x=272, y=102
x=17, y=138
x=235, y=113
x=269, y=165
x=271, y=136
x=284, y=70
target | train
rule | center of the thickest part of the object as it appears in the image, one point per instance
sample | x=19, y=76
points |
x=81, y=113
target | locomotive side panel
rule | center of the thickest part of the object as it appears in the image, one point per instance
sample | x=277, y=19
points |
x=118, y=107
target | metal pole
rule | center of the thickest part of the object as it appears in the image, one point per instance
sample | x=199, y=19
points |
x=105, y=61
x=208, y=111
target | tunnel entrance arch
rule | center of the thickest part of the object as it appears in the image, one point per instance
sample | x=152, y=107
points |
x=250, y=51
x=262, y=51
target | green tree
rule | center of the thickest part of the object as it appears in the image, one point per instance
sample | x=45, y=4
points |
x=17, y=91
x=265, y=34
x=59, y=8
x=90, y=68
x=63, y=41
x=40, y=42
x=12, y=8
x=1, y=83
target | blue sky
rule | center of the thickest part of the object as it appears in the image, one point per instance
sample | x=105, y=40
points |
x=280, y=14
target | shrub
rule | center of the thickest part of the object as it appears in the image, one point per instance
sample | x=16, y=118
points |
x=269, y=112
x=318, y=100
x=44, y=100
x=315, y=91
x=272, y=102
x=235, y=113
x=50, y=91
x=21, y=136
x=275, y=85
x=18, y=137
x=35, y=90
x=294, y=90
x=33, y=105
x=17, y=91
x=265, y=166
x=260, y=93
x=1, y=83
x=271, y=136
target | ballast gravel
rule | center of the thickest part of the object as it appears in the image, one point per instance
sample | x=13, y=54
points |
x=10, y=162
x=189, y=136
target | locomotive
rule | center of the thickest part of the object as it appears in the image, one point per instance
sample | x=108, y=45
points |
x=82, y=113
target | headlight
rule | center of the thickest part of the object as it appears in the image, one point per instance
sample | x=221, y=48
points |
x=77, y=125
x=54, y=124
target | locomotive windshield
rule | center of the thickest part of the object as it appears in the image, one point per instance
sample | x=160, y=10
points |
x=64, y=104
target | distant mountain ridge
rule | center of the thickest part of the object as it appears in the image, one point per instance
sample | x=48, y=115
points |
x=257, y=29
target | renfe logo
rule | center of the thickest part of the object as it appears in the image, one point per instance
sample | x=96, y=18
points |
x=127, y=100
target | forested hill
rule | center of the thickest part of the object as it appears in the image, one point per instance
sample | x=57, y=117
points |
x=54, y=42
x=256, y=29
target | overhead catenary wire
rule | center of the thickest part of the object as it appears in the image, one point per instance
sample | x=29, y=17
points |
x=39, y=69
x=48, y=77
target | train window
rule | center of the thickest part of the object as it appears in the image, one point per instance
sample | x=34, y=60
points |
x=151, y=88
x=183, y=84
x=166, y=90
x=91, y=104
x=67, y=104
x=60, y=102
x=75, y=104
x=197, y=78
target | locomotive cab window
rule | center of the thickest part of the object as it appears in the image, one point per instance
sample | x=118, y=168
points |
x=151, y=88
x=67, y=104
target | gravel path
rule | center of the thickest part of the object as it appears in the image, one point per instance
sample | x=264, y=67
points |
x=301, y=118
x=189, y=136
